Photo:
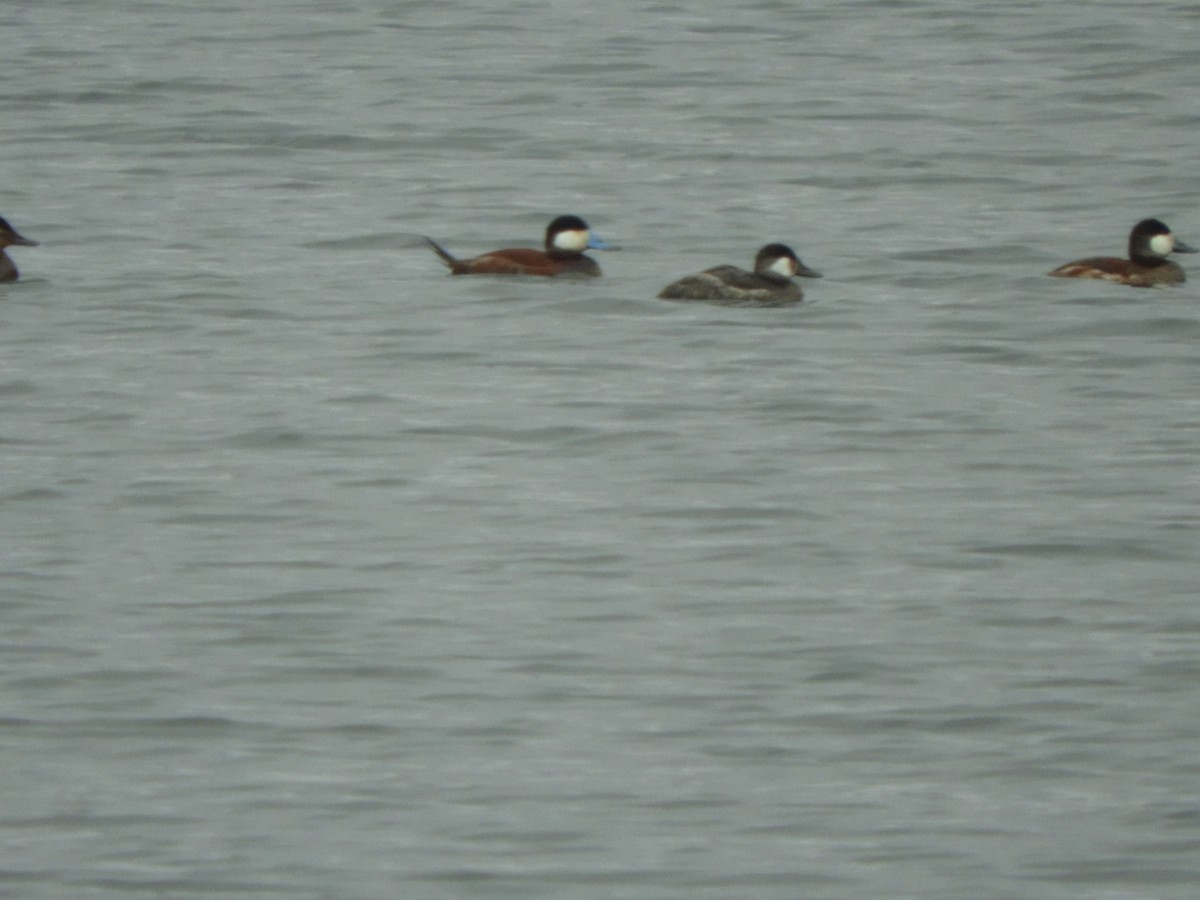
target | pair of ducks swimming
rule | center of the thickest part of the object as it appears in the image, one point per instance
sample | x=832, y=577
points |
x=567, y=237
x=770, y=284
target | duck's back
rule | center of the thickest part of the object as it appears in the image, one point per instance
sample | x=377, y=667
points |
x=1122, y=271
x=733, y=286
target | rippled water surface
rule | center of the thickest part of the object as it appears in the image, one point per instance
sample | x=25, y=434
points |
x=327, y=575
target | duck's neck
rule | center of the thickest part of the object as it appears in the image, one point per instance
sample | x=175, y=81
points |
x=1150, y=262
x=8, y=269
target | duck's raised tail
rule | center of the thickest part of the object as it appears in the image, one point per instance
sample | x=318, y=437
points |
x=452, y=263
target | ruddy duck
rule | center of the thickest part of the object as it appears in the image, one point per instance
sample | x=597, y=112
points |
x=1149, y=243
x=770, y=284
x=566, y=239
x=10, y=237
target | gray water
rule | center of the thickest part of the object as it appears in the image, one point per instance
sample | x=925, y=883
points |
x=326, y=575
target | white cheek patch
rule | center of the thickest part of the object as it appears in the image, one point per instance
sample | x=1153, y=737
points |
x=1162, y=244
x=783, y=266
x=572, y=241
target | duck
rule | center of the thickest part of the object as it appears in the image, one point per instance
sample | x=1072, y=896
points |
x=1150, y=242
x=566, y=239
x=770, y=284
x=10, y=237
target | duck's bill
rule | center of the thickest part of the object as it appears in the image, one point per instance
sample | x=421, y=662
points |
x=1181, y=247
x=595, y=242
